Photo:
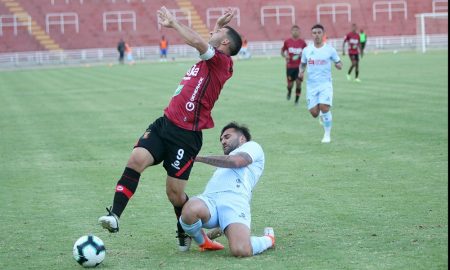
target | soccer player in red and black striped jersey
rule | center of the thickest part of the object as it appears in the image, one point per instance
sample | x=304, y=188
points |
x=292, y=52
x=354, y=48
x=175, y=139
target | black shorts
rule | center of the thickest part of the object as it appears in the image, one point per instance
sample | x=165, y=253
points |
x=354, y=57
x=174, y=146
x=292, y=74
x=363, y=45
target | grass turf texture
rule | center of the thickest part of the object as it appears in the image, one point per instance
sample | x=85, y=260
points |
x=375, y=198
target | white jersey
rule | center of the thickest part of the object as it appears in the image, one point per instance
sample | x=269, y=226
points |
x=239, y=180
x=319, y=62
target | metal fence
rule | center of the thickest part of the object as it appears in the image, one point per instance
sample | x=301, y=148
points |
x=176, y=52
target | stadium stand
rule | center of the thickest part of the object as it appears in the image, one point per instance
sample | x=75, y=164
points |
x=83, y=24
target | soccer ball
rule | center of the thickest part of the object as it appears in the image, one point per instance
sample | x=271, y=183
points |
x=89, y=251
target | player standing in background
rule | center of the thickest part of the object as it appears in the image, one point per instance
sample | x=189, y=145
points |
x=317, y=59
x=363, y=41
x=176, y=138
x=121, y=50
x=354, y=47
x=292, y=52
x=163, y=48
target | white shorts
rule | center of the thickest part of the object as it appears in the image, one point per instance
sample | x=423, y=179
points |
x=322, y=94
x=226, y=208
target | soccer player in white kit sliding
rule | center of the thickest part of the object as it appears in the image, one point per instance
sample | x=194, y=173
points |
x=317, y=58
x=225, y=203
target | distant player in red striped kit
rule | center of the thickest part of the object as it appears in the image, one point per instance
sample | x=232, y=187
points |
x=292, y=52
x=354, y=49
x=175, y=139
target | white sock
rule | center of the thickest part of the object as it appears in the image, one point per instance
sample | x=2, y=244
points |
x=260, y=244
x=327, y=122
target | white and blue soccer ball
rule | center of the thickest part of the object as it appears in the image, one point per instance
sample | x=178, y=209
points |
x=89, y=251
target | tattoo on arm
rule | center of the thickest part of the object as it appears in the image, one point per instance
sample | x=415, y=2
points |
x=228, y=161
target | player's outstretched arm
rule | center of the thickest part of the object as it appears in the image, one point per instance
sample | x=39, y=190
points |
x=238, y=160
x=192, y=38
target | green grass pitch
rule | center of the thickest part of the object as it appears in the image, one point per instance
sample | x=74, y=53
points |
x=375, y=198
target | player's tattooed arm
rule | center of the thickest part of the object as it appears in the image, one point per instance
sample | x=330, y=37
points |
x=238, y=160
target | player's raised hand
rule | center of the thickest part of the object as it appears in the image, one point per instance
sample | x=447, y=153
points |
x=165, y=18
x=226, y=17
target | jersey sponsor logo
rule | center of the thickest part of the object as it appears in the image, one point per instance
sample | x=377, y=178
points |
x=193, y=72
x=317, y=62
x=295, y=50
x=176, y=164
x=190, y=106
x=178, y=91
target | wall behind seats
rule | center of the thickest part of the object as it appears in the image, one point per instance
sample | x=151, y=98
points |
x=91, y=34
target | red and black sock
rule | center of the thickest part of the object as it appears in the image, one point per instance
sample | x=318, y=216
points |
x=125, y=189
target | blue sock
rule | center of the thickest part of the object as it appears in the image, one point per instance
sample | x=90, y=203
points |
x=327, y=122
x=194, y=230
x=260, y=244
x=327, y=119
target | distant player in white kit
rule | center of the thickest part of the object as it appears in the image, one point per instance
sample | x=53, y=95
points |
x=318, y=59
x=225, y=203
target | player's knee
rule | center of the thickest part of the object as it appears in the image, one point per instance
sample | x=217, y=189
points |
x=193, y=211
x=314, y=113
x=190, y=208
x=139, y=160
x=241, y=251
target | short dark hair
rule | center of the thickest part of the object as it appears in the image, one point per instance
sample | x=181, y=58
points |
x=318, y=26
x=235, y=41
x=295, y=26
x=239, y=128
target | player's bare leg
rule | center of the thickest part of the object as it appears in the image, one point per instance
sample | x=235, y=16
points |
x=242, y=244
x=139, y=160
x=298, y=90
x=289, y=88
x=357, y=72
x=176, y=195
x=195, y=212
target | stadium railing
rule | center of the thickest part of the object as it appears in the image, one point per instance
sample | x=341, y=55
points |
x=176, y=52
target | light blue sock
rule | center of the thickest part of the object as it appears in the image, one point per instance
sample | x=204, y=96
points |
x=194, y=231
x=327, y=121
x=260, y=244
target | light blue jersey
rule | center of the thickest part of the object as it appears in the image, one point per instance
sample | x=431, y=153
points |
x=319, y=61
x=239, y=180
